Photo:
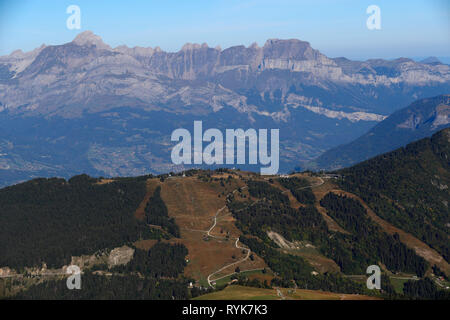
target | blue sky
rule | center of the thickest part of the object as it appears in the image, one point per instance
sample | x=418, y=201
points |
x=414, y=28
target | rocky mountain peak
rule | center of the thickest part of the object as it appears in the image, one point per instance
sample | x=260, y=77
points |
x=254, y=45
x=194, y=46
x=289, y=49
x=16, y=53
x=89, y=38
x=431, y=60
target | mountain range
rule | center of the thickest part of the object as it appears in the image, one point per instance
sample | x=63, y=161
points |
x=419, y=120
x=84, y=107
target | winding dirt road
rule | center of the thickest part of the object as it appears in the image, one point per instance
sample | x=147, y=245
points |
x=231, y=264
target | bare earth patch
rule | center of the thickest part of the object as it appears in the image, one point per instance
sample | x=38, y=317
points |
x=194, y=204
x=151, y=185
x=235, y=292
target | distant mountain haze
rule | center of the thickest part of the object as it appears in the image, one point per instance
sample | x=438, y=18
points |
x=86, y=68
x=419, y=120
x=409, y=188
x=84, y=107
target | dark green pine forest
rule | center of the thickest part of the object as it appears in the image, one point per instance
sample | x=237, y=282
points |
x=409, y=187
x=152, y=274
x=52, y=220
x=366, y=243
x=55, y=219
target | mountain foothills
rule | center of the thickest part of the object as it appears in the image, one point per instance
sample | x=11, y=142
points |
x=84, y=107
x=409, y=187
x=419, y=120
x=220, y=234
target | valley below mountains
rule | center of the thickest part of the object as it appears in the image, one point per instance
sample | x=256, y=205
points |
x=84, y=107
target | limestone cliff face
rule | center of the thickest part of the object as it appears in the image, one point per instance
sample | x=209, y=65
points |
x=86, y=107
x=88, y=75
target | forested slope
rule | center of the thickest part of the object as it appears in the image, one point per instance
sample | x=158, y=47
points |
x=409, y=187
x=51, y=220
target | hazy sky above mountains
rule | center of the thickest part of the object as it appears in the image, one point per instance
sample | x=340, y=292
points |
x=414, y=28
